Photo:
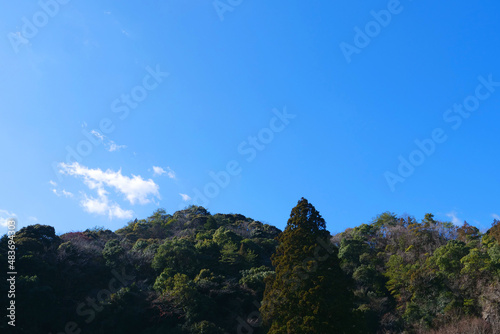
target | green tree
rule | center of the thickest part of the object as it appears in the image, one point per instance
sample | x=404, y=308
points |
x=309, y=292
x=178, y=254
x=112, y=253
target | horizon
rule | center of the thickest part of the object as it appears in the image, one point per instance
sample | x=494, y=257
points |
x=333, y=233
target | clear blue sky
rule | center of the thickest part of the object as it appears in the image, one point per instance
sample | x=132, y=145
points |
x=355, y=105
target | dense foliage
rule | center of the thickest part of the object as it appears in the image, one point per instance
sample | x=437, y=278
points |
x=193, y=272
x=309, y=292
x=423, y=276
x=190, y=272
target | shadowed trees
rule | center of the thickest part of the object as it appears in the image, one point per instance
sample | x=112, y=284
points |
x=309, y=293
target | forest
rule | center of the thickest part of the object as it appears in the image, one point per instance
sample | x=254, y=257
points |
x=197, y=272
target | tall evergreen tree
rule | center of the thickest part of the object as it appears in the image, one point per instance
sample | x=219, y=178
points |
x=309, y=292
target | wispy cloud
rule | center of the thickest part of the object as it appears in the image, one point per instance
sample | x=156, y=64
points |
x=67, y=193
x=109, y=144
x=495, y=216
x=185, y=197
x=157, y=171
x=134, y=189
x=454, y=218
x=32, y=219
x=5, y=217
x=58, y=192
x=103, y=206
x=62, y=193
x=97, y=134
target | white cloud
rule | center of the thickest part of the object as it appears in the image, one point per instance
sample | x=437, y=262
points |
x=52, y=183
x=171, y=173
x=185, y=197
x=103, y=206
x=5, y=217
x=94, y=205
x=33, y=219
x=118, y=212
x=67, y=193
x=454, y=218
x=112, y=146
x=135, y=189
x=97, y=134
x=495, y=216
x=62, y=193
x=157, y=171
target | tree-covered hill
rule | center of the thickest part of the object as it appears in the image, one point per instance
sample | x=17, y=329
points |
x=194, y=272
x=417, y=276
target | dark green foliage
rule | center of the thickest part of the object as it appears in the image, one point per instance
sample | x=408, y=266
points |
x=309, y=293
x=193, y=272
x=113, y=253
x=165, y=274
x=255, y=278
x=177, y=254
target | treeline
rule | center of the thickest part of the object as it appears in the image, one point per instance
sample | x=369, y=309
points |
x=421, y=277
x=194, y=272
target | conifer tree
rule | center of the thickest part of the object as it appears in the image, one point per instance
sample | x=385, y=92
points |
x=309, y=293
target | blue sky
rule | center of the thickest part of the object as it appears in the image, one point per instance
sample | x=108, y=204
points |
x=361, y=107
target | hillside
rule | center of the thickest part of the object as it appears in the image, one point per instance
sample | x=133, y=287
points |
x=194, y=272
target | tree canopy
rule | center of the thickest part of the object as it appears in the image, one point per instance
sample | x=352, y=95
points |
x=194, y=272
x=309, y=292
